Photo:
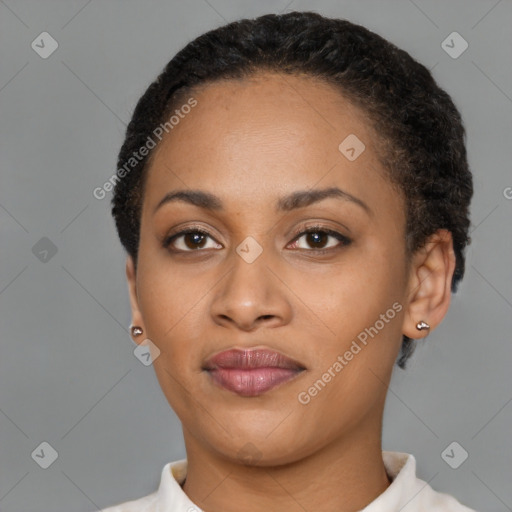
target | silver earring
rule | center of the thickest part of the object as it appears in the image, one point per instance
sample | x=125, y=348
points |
x=421, y=325
x=136, y=331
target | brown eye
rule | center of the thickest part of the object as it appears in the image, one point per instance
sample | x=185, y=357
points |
x=317, y=239
x=188, y=241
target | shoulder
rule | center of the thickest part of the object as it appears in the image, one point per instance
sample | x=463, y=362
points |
x=148, y=503
x=408, y=493
x=434, y=501
x=446, y=503
x=168, y=496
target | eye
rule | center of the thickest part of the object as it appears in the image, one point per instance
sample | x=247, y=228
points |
x=192, y=240
x=317, y=237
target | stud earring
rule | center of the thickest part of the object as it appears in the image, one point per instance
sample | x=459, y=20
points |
x=136, y=331
x=421, y=326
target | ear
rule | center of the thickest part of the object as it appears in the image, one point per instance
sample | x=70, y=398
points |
x=134, y=302
x=429, y=286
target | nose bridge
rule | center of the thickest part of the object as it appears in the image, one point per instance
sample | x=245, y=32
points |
x=250, y=291
x=248, y=282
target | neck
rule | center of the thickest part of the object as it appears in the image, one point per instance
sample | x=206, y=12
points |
x=345, y=475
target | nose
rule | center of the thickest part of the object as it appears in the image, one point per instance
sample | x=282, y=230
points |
x=251, y=296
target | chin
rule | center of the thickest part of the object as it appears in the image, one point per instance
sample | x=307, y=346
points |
x=258, y=449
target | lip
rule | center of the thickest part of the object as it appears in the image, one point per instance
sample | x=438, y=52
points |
x=251, y=372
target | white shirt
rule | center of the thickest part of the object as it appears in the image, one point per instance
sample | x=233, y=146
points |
x=406, y=493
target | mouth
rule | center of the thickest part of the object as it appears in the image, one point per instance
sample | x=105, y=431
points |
x=251, y=372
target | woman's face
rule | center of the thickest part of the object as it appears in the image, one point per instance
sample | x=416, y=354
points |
x=257, y=281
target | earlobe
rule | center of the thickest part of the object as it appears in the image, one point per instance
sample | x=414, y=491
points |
x=137, y=327
x=429, y=291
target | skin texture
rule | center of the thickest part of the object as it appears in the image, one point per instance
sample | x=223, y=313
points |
x=251, y=142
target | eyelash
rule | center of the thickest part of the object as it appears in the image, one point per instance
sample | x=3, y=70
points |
x=312, y=229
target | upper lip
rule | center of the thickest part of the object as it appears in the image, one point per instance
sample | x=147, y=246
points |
x=251, y=358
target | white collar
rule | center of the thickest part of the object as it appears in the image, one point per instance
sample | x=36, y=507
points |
x=406, y=493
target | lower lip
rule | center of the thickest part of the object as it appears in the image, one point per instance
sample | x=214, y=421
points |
x=251, y=382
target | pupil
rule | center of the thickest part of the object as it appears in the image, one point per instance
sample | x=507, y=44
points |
x=315, y=238
x=196, y=237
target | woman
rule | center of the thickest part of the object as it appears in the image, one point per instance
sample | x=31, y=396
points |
x=293, y=197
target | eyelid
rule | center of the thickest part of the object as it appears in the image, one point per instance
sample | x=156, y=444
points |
x=318, y=228
x=297, y=234
x=169, y=238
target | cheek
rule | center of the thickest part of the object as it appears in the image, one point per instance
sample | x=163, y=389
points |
x=355, y=358
x=351, y=296
x=170, y=304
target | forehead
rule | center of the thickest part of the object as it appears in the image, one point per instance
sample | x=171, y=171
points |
x=267, y=134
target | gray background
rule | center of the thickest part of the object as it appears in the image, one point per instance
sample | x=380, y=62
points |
x=68, y=373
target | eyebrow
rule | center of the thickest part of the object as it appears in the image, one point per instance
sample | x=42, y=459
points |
x=295, y=200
